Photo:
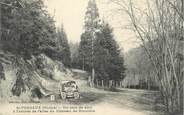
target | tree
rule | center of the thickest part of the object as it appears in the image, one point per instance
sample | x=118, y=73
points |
x=85, y=52
x=27, y=30
x=162, y=28
x=86, y=49
x=74, y=49
x=98, y=51
x=139, y=69
x=28, y=26
x=110, y=53
x=64, y=53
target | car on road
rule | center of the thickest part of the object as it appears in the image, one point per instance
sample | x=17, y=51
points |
x=69, y=89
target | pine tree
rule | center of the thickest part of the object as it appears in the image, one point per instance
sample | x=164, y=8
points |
x=74, y=49
x=102, y=58
x=27, y=25
x=86, y=49
x=116, y=68
x=109, y=63
x=98, y=52
x=27, y=30
x=91, y=17
x=85, y=52
x=64, y=54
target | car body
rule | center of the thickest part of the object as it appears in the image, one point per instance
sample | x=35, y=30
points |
x=69, y=89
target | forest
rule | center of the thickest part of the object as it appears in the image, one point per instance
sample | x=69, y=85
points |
x=28, y=31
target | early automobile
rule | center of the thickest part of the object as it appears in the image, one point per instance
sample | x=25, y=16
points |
x=65, y=88
x=69, y=89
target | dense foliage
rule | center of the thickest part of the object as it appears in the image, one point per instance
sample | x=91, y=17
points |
x=98, y=48
x=28, y=29
x=63, y=47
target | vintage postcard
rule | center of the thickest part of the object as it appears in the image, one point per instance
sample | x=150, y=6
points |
x=91, y=57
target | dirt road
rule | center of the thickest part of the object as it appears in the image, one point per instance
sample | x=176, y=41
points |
x=124, y=101
x=119, y=102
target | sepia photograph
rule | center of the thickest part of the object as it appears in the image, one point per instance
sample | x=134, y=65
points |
x=91, y=57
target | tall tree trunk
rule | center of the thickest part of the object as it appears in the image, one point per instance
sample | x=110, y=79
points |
x=103, y=84
x=97, y=83
x=92, y=53
x=83, y=64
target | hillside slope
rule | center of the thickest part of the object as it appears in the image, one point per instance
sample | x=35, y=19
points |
x=24, y=76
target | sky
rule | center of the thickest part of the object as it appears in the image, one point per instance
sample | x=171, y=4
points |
x=71, y=14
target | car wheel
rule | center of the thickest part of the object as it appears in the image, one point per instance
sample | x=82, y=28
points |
x=76, y=95
x=63, y=95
